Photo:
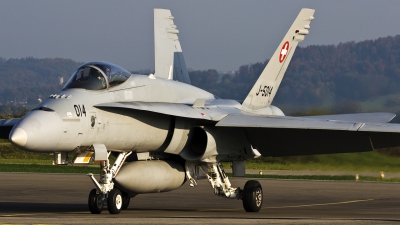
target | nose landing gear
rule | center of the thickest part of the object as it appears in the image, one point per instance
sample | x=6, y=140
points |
x=105, y=191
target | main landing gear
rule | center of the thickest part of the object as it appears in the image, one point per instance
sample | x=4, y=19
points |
x=251, y=195
x=105, y=191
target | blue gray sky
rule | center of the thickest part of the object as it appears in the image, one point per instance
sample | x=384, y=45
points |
x=214, y=34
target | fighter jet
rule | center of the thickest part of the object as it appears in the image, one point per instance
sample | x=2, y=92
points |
x=165, y=132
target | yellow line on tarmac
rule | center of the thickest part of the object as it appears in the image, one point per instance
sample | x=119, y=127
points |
x=321, y=204
x=12, y=224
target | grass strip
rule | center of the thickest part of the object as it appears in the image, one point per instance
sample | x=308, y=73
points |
x=362, y=161
x=322, y=177
x=34, y=168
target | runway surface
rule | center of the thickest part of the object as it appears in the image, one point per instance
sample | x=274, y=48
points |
x=33, y=198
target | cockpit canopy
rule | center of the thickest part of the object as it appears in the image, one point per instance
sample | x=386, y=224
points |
x=97, y=76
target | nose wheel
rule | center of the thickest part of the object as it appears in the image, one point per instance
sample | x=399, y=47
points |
x=114, y=201
x=95, y=202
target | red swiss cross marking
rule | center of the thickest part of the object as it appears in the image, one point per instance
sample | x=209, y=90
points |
x=284, y=51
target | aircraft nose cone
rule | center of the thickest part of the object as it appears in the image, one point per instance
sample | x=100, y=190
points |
x=37, y=131
x=19, y=137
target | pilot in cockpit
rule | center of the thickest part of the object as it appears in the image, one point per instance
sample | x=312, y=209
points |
x=95, y=74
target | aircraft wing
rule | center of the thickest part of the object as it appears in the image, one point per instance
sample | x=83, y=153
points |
x=286, y=122
x=173, y=109
x=6, y=126
x=359, y=117
x=291, y=136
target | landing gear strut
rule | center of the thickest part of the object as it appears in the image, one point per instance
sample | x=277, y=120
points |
x=251, y=195
x=105, y=190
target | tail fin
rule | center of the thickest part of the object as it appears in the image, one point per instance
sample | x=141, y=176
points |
x=169, y=61
x=265, y=88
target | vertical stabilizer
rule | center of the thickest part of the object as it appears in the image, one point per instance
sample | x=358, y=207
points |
x=265, y=88
x=169, y=61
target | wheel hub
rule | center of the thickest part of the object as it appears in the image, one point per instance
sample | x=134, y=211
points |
x=258, y=197
x=118, y=201
x=99, y=201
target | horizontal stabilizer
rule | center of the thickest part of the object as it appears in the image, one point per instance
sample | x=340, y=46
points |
x=6, y=126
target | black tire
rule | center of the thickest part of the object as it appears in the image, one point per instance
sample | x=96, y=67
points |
x=125, y=201
x=95, y=202
x=252, y=196
x=114, y=201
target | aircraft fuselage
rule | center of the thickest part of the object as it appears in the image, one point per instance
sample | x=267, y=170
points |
x=70, y=120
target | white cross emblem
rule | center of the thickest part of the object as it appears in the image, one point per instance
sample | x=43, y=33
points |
x=284, y=51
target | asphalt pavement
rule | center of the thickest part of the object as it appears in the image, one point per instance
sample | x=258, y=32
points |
x=33, y=198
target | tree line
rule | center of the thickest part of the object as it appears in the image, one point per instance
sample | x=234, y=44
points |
x=340, y=75
x=27, y=79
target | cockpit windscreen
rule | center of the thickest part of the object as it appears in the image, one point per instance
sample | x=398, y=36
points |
x=97, y=76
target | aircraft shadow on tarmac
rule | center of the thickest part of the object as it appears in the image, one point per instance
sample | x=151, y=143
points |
x=25, y=207
x=28, y=207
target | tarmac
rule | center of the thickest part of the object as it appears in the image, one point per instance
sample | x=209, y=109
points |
x=35, y=198
x=387, y=175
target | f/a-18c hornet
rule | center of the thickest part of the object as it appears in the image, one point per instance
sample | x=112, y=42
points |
x=165, y=132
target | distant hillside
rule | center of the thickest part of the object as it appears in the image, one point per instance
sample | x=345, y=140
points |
x=326, y=75
x=27, y=79
x=349, y=71
x=349, y=77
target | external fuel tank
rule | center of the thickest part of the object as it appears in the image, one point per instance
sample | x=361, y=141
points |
x=152, y=176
